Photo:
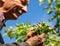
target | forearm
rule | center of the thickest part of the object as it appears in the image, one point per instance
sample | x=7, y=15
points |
x=1, y=39
x=21, y=44
x=2, y=20
x=1, y=25
x=16, y=44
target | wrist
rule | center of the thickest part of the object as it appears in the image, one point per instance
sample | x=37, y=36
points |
x=25, y=44
x=21, y=44
x=30, y=44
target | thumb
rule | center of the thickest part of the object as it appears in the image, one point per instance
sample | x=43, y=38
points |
x=42, y=35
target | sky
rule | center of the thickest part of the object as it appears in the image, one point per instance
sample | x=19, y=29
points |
x=34, y=15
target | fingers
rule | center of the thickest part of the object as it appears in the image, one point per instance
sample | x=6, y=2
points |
x=25, y=2
x=30, y=34
x=42, y=37
x=14, y=14
x=37, y=40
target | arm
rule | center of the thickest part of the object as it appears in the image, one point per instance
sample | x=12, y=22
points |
x=16, y=44
x=1, y=25
x=2, y=20
x=1, y=39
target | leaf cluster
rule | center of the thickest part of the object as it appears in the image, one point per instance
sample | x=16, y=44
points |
x=53, y=7
x=22, y=29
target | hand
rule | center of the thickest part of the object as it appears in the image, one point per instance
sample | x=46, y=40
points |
x=12, y=9
x=30, y=34
x=37, y=40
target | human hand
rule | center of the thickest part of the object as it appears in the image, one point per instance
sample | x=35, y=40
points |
x=12, y=9
x=36, y=40
x=30, y=34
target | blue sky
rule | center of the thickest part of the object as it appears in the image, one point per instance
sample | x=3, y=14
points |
x=34, y=15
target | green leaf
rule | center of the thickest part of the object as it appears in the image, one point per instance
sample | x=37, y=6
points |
x=41, y=2
x=59, y=17
x=55, y=0
x=18, y=40
x=47, y=7
x=50, y=1
x=49, y=11
x=53, y=17
x=11, y=35
x=58, y=4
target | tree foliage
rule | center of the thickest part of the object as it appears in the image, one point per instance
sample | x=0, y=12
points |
x=21, y=30
x=53, y=7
